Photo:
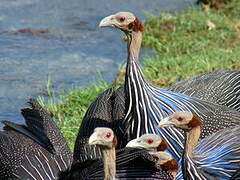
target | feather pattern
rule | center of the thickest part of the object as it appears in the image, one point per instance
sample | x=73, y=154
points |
x=215, y=157
x=145, y=106
x=132, y=164
x=106, y=111
x=208, y=87
x=40, y=122
x=148, y=105
x=35, y=151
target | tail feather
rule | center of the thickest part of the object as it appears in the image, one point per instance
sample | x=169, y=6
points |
x=42, y=140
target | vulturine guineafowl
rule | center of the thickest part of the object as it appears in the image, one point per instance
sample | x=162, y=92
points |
x=156, y=146
x=151, y=142
x=37, y=150
x=130, y=164
x=166, y=162
x=109, y=109
x=146, y=105
x=105, y=138
x=214, y=157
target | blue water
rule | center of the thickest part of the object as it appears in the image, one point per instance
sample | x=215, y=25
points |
x=73, y=52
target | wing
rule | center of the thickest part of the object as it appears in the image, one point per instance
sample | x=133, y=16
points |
x=22, y=158
x=40, y=122
x=42, y=149
x=219, y=153
x=42, y=140
x=220, y=87
x=40, y=164
x=10, y=156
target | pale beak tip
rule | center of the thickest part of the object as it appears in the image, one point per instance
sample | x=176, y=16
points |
x=90, y=142
x=92, y=139
x=131, y=144
x=106, y=22
x=161, y=125
x=128, y=145
x=100, y=25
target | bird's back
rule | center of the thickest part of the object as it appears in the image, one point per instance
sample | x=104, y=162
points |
x=107, y=110
x=220, y=87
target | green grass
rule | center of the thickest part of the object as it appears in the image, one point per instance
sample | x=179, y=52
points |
x=184, y=47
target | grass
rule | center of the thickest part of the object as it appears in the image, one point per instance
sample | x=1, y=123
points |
x=186, y=44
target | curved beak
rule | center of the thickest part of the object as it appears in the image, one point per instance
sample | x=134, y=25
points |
x=107, y=21
x=165, y=123
x=93, y=139
x=133, y=144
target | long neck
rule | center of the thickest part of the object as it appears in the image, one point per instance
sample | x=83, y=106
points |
x=134, y=45
x=192, y=137
x=109, y=163
x=191, y=141
x=134, y=83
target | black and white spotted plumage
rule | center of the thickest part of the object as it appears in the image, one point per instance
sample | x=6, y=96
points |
x=132, y=164
x=149, y=104
x=106, y=111
x=215, y=157
x=143, y=106
x=36, y=150
x=220, y=87
x=112, y=103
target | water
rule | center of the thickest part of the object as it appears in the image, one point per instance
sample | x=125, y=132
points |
x=71, y=53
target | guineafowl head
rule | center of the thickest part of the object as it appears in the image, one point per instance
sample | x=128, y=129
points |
x=148, y=142
x=185, y=120
x=103, y=137
x=124, y=21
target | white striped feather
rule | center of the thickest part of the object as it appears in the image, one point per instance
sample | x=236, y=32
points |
x=42, y=165
x=216, y=156
x=220, y=87
x=148, y=105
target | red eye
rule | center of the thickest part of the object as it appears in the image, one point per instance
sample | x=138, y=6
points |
x=150, y=141
x=122, y=19
x=180, y=118
x=156, y=158
x=108, y=135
